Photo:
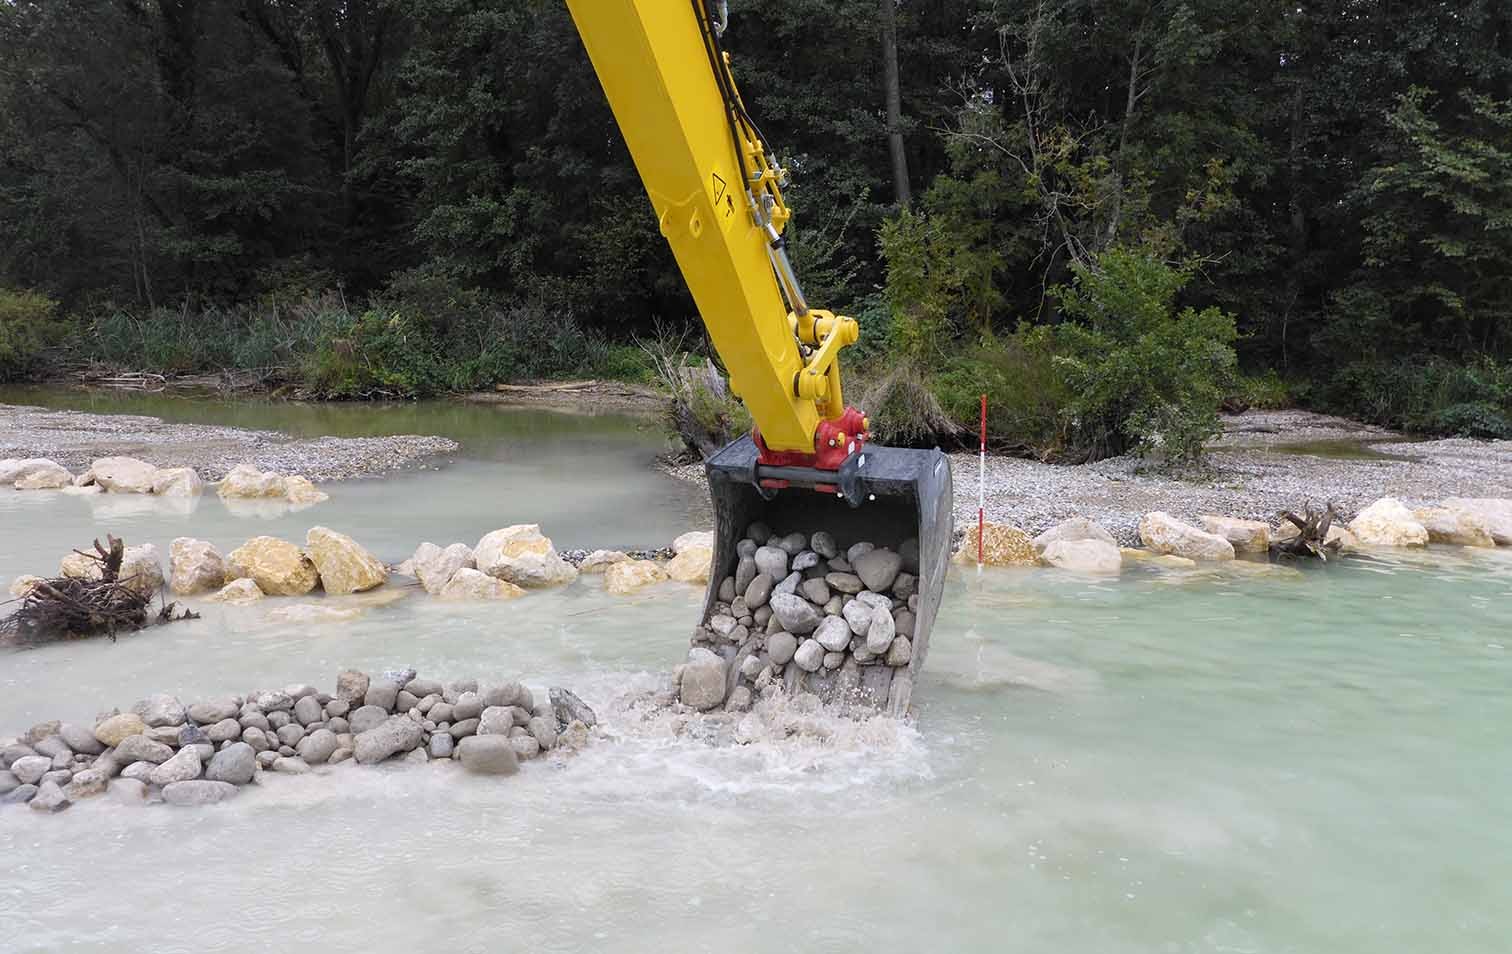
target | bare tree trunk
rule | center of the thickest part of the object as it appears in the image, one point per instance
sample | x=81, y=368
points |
x=901, y=190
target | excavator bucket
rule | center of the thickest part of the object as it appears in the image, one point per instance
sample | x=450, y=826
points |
x=895, y=498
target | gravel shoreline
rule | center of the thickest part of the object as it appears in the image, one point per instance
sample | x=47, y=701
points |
x=76, y=438
x=1254, y=474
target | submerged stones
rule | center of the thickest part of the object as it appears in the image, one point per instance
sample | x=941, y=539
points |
x=203, y=753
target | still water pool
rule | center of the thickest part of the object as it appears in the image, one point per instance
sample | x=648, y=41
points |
x=1229, y=760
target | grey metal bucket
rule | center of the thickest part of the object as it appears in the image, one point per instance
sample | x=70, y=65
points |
x=894, y=494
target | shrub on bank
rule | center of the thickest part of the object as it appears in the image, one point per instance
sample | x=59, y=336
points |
x=28, y=326
x=1473, y=399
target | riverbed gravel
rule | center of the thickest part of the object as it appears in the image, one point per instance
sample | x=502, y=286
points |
x=75, y=438
x=1265, y=462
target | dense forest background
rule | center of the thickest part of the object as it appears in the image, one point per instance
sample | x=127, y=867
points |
x=1112, y=214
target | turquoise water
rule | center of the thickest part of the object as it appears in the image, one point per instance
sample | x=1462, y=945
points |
x=1220, y=760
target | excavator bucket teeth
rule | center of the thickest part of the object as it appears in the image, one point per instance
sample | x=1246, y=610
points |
x=890, y=497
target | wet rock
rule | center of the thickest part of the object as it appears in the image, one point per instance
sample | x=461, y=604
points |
x=522, y=555
x=199, y=792
x=1002, y=545
x=703, y=680
x=266, y=759
x=1163, y=533
x=344, y=566
x=1454, y=527
x=291, y=765
x=470, y=584
x=834, y=634
x=140, y=771
x=760, y=590
x=246, y=482
x=352, y=686
x=901, y=650
x=434, y=566
x=213, y=711
x=599, y=560
x=139, y=748
x=795, y=614
x=441, y=745
x=631, y=575
x=382, y=694
x=178, y=482
x=469, y=705
x=781, y=646
x=289, y=735
x=878, y=568
x=788, y=585
x=237, y=593
x=740, y=700
x=1077, y=528
x=1495, y=514
x=181, y=768
x=465, y=727
x=49, y=798
x=1246, y=536
x=691, y=565
x=568, y=708
x=1084, y=556
x=807, y=560
x=544, y=730
x=810, y=655
x=1388, y=523
x=395, y=735
x=123, y=475
x=226, y=730
x=317, y=747
x=525, y=746
x=693, y=538
x=745, y=572
x=488, y=755
x=858, y=615
x=279, y=568
x=234, y=764
x=256, y=738
x=36, y=473
x=496, y=720
x=19, y=796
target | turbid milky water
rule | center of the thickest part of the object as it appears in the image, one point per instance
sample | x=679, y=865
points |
x=1225, y=760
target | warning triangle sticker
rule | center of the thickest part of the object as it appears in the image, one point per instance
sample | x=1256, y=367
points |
x=719, y=187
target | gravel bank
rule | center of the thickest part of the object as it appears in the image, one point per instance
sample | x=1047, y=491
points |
x=75, y=438
x=1255, y=474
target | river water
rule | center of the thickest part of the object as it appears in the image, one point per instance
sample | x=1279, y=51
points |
x=1222, y=760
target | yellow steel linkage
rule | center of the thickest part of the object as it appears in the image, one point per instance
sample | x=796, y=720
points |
x=717, y=196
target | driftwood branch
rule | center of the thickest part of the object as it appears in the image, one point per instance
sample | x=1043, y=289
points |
x=1312, y=534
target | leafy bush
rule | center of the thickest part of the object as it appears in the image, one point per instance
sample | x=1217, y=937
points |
x=1430, y=397
x=1265, y=391
x=27, y=327
x=1139, y=375
x=1026, y=393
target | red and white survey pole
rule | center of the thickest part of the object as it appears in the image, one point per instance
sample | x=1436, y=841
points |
x=982, y=485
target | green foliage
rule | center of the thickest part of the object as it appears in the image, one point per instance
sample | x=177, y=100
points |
x=1142, y=375
x=1264, y=391
x=1435, y=397
x=1026, y=393
x=27, y=327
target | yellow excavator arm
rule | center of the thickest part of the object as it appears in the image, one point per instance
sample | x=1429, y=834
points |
x=716, y=192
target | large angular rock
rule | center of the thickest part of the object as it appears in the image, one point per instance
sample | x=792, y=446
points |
x=50, y=797
x=194, y=566
x=1388, y=523
x=279, y=568
x=1163, y=533
x=703, y=680
x=796, y=614
x=181, y=768
x=123, y=475
x=834, y=634
x=352, y=686
x=694, y=538
x=1002, y=545
x=178, y=482
x=1077, y=528
x=1084, y=556
x=524, y=556
x=631, y=575
x=1246, y=536
x=488, y=755
x=1456, y=527
x=691, y=565
x=246, y=481
x=14, y=471
x=142, y=570
x=568, y=708
x=45, y=476
x=434, y=566
x=343, y=565
x=1495, y=513
x=470, y=584
x=397, y=734
x=599, y=560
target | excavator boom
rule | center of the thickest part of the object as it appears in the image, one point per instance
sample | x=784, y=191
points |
x=716, y=192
